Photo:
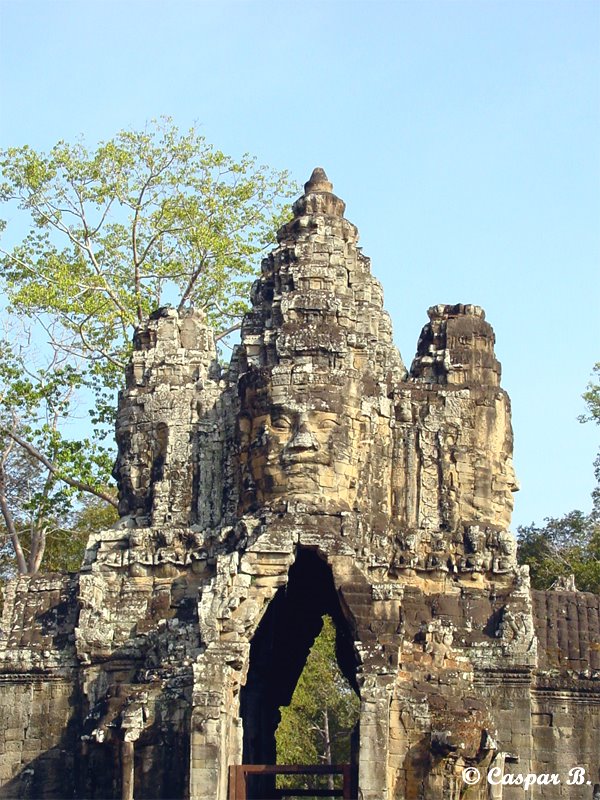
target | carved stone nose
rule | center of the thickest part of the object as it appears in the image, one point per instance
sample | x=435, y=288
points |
x=302, y=440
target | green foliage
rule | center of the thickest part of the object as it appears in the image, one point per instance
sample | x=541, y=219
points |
x=569, y=545
x=147, y=214
x=562, y=547
x=35, y=399
x=64, y=552
x=316, y=726
x=592, y=399
x=147, y=218
x=53, y=528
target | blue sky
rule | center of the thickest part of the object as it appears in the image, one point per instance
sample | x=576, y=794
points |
x=463, y=136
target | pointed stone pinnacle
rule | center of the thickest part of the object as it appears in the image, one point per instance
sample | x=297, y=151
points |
x=318, y=197
x=318, y=182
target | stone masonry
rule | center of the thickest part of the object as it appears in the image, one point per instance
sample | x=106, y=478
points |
x=313, y=475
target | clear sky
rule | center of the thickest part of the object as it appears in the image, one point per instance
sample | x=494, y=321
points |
x=463, y=136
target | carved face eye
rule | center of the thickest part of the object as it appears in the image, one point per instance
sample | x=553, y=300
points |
x=328, y=424
x=281, y=422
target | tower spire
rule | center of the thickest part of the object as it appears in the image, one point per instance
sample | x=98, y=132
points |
x=318, y=182
x=318, y=197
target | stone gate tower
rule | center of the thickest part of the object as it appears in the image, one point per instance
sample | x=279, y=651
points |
x=315, y=475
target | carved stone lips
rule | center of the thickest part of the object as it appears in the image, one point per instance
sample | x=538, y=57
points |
x=303, y=457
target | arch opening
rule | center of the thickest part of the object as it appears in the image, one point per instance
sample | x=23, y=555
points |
x=278, y=654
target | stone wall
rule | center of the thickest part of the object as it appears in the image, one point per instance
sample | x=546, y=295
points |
x=566, y=702
x=39, y=738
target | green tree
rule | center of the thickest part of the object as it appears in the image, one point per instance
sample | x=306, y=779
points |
x=565, y=546
x=42, y=473
x=40, y=519
x=64, y=551
x=147, y=218
x=316, y=726
x=31, y=492
x=569, y=545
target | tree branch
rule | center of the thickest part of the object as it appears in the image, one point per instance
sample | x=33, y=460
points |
x=10, y=524
x=190, y=285
x=83, y=487
x=225, y=333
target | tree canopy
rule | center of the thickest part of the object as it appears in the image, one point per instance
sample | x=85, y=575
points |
x=148, y=218
x=564, y=546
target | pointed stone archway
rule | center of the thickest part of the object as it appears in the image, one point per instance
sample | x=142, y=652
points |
x=278, y=653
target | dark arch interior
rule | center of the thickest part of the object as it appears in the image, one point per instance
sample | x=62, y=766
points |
x=278, y=653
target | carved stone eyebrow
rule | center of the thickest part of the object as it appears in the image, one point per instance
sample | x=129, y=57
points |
x=279, y=411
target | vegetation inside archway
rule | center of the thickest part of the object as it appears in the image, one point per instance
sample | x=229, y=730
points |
x=317, y=725
x=289, y=636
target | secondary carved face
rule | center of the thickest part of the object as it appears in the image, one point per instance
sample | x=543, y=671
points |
x=302, y=449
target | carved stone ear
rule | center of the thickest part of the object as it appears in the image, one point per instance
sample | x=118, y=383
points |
x=244, y=425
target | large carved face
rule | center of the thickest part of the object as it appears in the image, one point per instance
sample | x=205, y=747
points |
x=302, y=445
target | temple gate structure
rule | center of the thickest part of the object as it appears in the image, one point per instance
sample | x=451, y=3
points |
x=313, y=475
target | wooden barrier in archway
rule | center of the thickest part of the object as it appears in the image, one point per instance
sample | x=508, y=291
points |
x=238, y=779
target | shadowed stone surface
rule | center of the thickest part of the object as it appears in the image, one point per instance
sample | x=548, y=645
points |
x=314, y=475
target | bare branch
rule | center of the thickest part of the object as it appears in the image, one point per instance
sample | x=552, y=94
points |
x=225, y=333
x=107, y=288
x=10, y=524
x=103, y=217
x=108, y=356
x=136, y=262
x=190, y=284
x=83, y=487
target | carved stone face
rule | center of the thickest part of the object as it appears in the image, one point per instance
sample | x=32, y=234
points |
x=303, y=448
